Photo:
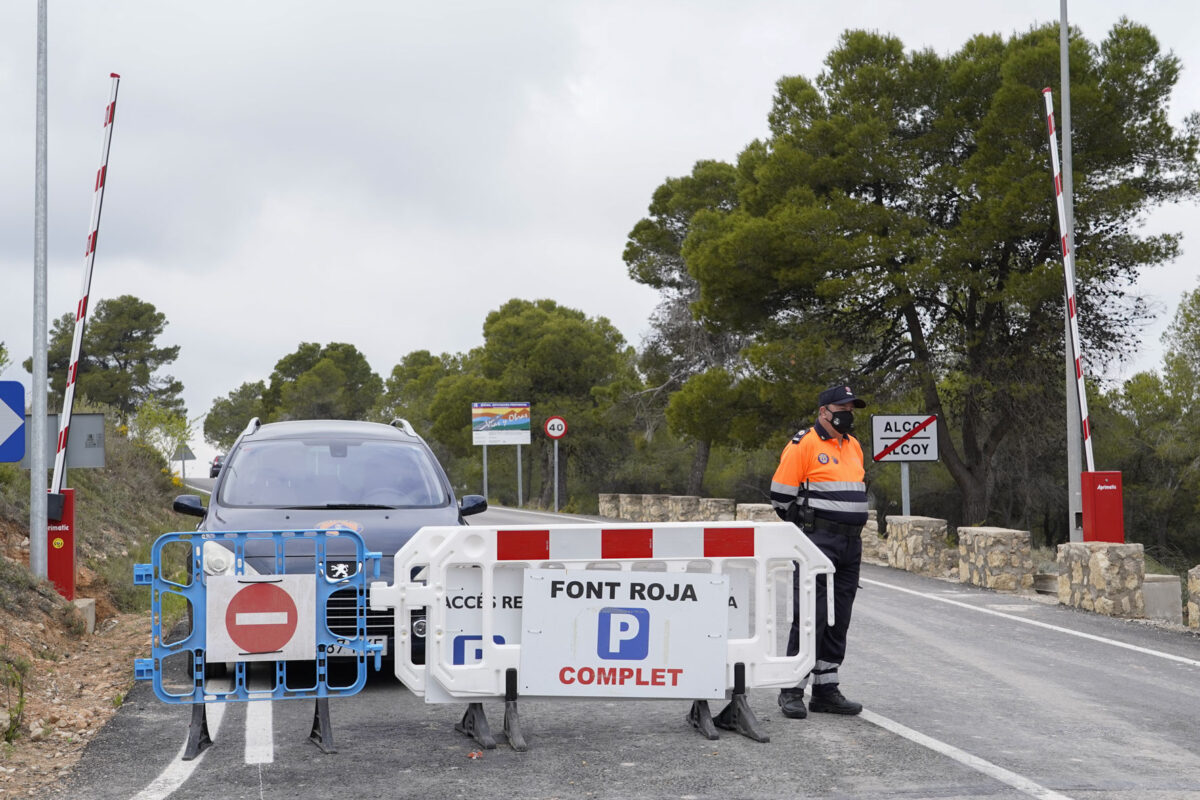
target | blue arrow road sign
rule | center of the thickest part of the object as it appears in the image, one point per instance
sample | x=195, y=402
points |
x=12, y=421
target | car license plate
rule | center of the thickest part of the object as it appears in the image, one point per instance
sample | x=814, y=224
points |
x=342, y=650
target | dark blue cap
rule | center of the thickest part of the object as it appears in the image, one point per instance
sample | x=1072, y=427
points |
x=840, y=394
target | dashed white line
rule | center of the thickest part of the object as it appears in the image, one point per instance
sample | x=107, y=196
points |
x=1137, y=649
x=179, y=770
x=260, y=745
x=1018, y=782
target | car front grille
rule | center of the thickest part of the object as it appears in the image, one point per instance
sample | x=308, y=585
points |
x=342, y=621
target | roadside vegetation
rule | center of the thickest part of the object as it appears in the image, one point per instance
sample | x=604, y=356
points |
x=896, y=230
x=119, y=511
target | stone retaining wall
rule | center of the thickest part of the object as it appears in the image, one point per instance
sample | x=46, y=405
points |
x=610, y=506
x=918, y=545
x=685, y=508
x=874, y=546
x=1193, y=604
x=995, y=558
x=1094, y=576
x=717, y=508
x=630, y=507
x=655, y=508
x=681, y=508
x=756, y=512
x=1102, y=577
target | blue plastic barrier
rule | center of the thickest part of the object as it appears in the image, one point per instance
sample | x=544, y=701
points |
x=296, y=552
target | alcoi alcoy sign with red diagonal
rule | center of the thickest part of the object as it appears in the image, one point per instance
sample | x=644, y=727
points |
x=904, y=437
x=261, y=618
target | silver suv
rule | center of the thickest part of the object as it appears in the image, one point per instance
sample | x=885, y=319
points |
x=381, y=481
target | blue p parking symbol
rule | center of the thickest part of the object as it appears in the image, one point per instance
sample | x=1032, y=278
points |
x=623, y=633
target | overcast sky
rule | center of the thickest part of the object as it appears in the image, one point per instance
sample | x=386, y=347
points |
x=387, y=173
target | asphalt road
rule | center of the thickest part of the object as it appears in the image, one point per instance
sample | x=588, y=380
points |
x=968, y=693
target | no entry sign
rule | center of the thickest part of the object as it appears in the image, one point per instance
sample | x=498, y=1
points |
x=261, y=618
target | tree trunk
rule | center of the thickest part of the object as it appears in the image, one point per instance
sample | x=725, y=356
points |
x=974, y=500
x=699, y=465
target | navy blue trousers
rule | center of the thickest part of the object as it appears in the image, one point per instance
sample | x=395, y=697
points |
x=846, y=554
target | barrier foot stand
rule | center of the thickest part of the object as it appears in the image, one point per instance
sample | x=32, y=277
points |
x=701, y=719
x=198, y=739
x=737, y=716
x=322, y=729
x=474, y=724
x=512, y=721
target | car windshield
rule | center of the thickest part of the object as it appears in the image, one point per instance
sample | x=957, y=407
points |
x=331, y=472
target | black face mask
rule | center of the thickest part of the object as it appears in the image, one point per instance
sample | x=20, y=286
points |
x=842, y=421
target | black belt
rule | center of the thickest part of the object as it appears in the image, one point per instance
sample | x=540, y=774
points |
x=842, y=529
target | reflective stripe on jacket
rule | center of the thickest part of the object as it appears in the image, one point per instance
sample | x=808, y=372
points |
x=832, y=467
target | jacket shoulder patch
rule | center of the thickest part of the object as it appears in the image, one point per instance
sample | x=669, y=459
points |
x=799, y=435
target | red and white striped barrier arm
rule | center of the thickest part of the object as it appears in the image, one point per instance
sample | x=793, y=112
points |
x=64, y=424
x=1069, y=272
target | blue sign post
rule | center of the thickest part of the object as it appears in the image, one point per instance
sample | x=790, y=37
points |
x=12, y=421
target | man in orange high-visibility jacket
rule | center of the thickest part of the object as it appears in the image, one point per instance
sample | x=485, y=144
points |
x=820, y=487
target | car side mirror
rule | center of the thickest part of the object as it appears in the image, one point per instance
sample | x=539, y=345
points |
x=471, y=504
x=189, y=504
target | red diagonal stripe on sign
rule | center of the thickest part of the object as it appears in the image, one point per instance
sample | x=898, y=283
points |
x=522, y=545
x=905, y=437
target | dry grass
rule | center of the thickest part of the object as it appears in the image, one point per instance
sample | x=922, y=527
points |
x=58, y=686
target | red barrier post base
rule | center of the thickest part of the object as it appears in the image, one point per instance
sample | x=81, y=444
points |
x=1103, y=508
x=60, y=548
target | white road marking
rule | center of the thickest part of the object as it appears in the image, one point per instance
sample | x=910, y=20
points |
x=1145, y=650
x=1018, y=782
x=261, y=618
x=561, y=518
x=260, y=744
x=179, y=770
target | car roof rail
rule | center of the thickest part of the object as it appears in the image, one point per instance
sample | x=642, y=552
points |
x=405, y=426
x=252, y=426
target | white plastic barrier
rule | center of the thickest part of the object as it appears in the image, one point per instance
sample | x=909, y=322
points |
x=469, y=581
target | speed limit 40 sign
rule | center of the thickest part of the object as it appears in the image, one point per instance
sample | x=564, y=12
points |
x=555, y=427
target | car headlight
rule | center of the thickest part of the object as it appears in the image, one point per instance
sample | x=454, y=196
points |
x=220, y=561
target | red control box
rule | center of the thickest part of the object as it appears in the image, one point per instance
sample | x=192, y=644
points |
x=1103, y=508
x=60, y=548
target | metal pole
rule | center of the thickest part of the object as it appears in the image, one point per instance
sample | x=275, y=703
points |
x=37, y=434
x=518, y=476
x=1074, y=423
x=556, y=476
x=485, y=494
x=905, y=507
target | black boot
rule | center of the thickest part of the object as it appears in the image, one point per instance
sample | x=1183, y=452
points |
x=791, y=702
x=833, y=702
